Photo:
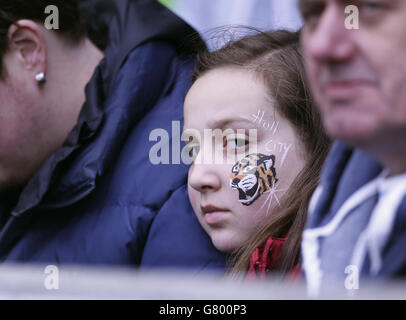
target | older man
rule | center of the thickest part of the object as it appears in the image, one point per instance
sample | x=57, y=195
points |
x=357, y=218
x=76, y=182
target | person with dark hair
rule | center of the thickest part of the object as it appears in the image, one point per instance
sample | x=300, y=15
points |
x=78, y=104
x=254, y=203
x=355, y=63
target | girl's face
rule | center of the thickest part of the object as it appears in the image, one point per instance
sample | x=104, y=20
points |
x=262, y=155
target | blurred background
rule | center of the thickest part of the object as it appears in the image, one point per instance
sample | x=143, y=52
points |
x=205, y=16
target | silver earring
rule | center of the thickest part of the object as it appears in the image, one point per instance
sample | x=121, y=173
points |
x=40, y=77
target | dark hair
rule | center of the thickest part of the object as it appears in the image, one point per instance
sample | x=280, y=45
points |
x=71, y=26
x=276, y=58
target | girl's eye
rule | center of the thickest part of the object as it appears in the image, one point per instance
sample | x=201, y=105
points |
x=237, y=143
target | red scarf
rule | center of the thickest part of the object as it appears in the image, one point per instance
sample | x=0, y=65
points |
x=263, y=260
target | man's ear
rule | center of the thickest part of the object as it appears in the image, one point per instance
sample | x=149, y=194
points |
x=27, y=39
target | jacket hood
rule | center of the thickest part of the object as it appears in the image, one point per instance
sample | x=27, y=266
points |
x=118, y=26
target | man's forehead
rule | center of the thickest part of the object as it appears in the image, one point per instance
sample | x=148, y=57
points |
x=307, y=7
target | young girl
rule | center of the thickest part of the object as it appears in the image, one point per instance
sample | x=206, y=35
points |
x=254, y=203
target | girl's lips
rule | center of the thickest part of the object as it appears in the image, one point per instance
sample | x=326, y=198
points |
x=213, y=215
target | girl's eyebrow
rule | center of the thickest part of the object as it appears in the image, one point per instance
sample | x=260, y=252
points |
x=232, y=122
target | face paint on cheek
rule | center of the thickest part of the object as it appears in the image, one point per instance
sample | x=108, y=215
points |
x=252, y=176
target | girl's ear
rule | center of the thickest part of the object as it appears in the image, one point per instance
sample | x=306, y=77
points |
x=26, y=39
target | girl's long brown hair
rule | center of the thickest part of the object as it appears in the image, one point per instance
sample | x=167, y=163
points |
x=276, y=58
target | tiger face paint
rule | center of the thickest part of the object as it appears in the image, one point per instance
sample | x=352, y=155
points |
x=252, y=176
